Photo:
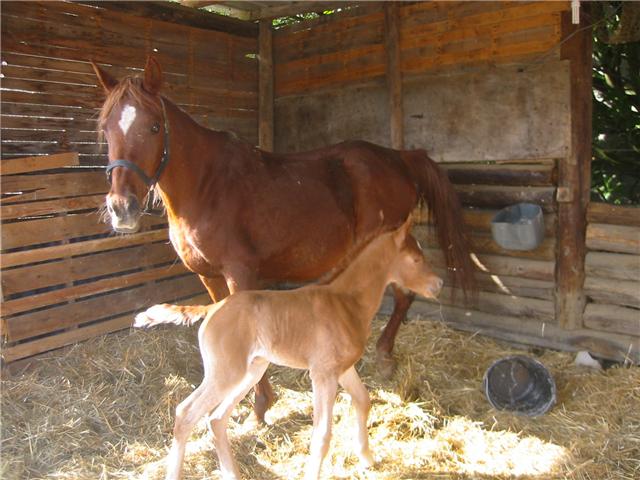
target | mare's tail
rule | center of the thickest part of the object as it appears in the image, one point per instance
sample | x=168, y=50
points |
x=445, y=212
x=176, y=314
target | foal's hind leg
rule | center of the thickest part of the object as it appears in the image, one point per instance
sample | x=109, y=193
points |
x=325, y=388
x=351, y=382
x=202, y=399
x=220, y=418
x=384, y=347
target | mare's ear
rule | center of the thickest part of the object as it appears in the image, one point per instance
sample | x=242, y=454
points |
x=400, y=235
x=152, y=76
x=105, y=79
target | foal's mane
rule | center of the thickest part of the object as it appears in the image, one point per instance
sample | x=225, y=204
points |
x=132, y=87
x=346, y=261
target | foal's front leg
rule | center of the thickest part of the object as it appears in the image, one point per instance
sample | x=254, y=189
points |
x=324, y=396
x=351, y=382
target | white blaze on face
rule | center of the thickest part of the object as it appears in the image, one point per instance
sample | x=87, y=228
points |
x=127, y=117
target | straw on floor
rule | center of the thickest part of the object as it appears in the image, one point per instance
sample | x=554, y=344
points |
x=104, y=410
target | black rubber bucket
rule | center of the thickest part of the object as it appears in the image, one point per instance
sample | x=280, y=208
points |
x=521, y=385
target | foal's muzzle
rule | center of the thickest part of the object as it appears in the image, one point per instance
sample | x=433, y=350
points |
x=125, y=213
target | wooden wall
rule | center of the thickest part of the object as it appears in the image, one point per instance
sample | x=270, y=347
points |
x=612, y=284
x=49, y=94
x=492, y=91
x=65, y=277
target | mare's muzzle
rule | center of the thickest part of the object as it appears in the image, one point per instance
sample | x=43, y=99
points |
x=125, y=213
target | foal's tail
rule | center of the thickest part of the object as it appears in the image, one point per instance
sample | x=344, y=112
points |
x=445, y=212
x=176, y=314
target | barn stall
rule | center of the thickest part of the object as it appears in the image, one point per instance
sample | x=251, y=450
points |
x=498, y=93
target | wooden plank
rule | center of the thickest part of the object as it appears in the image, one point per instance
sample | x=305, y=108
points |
x=613, y=214
x=76, y=292
x=612, y=318
x=394, y=74
x=501, y=265
x=83, y=268
x=32, y=164
x=516, y=286
x=534, y=174
x=30, y=325
x=574, y=175
x=494, y=196
x=501, y=304
x=622, y=348
x=28, y=349
x=613, y=238
x=80, y=248
x=266, y=87
x=617, y=292
x=50, y=207
x=613, y=265
x=54, y=185
x=485, y=244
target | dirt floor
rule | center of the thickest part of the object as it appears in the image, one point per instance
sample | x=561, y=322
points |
x=104, y=409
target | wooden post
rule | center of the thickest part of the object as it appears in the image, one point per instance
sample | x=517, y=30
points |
x=265, y=88
x=574, y=179
x=394, y=73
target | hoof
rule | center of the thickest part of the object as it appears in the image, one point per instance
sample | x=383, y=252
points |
x=366, y=459
x=386, y=364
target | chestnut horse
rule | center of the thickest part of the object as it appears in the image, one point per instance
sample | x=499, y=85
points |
x=322, y=328
x=242, y=218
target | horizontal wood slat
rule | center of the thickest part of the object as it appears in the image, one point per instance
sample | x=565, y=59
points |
x=69, y=287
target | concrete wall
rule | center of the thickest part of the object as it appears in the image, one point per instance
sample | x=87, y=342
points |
x=484, y=114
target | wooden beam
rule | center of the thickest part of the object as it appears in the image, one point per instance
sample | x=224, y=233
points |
x=32, y=164
x=290, y=9
x=265, y=86
x=574, y=174
x=176, y=13
x=394, y=73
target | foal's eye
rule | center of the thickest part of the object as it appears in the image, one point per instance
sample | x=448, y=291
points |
x=155, y=128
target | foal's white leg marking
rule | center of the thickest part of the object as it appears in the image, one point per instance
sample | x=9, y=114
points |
x=351, y=382
x=324, y=397
x=127, y=116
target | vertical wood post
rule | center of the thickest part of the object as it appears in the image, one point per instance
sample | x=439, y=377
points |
x=574, y=179
x=265, y=86
x=394, y=73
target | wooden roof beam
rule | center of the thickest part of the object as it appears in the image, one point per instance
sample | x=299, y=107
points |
x=176, y=13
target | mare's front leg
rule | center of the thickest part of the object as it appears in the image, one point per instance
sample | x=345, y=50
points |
x=243, y=278
x=216, y=286
x=384, y=358
x=325, y=388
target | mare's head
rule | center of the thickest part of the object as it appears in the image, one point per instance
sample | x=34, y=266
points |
x=409, y=268
x=134, y=124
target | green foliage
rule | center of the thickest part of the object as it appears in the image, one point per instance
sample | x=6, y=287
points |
x=616, y=121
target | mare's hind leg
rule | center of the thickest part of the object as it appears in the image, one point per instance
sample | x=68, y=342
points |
x=384, y=347
x=351, y=382
x=220, y=418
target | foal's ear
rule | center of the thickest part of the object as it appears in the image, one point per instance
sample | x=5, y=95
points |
x=105, y=79
x=152, y=76
x=401, y=234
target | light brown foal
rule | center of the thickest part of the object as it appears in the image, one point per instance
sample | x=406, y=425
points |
x=322, y=328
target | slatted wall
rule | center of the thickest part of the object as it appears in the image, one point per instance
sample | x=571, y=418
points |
x=49, y=94
x=612, y=285
x=65, y=276
x=349, y=47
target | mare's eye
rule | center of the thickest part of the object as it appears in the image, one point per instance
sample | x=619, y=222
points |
x=155, y=128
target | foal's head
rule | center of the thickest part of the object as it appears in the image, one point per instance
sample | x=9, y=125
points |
x=133, y=122
x=409, y=268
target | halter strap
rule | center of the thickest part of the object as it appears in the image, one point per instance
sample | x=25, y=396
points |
x=149, y=181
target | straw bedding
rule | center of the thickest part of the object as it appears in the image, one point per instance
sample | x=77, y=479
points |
x=104, y=409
